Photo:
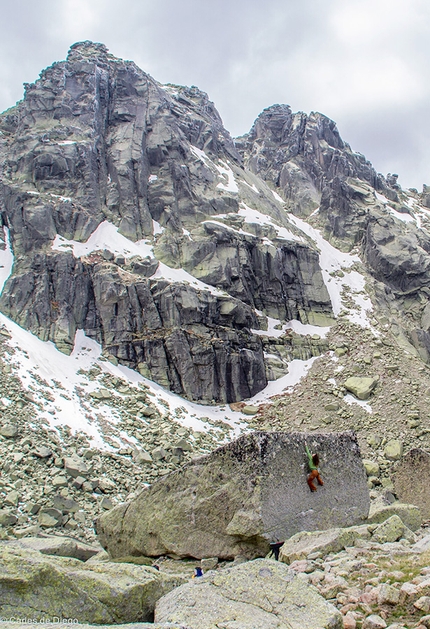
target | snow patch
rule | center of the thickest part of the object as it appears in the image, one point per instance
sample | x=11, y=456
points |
x=401, y=216
x=278, y=198
x=200, y=154
x=297, y=369
x=276, y=328
x=106, y=236
x=350, y=399
x=254, y=216
x=306, y=328
x=6, y=259
x=156, y=228
x=62, y=399
x=332, y=260
x=226, y=172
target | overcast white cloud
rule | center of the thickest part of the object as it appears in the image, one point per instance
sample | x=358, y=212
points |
x=364, y=63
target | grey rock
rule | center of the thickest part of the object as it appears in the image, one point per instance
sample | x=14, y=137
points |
x=241, y=497
x=374, y=622
x=145, y=167
x=12, y=498
x=7, y=518
x=393, y=450
x=360, y=387
x=208, y=563
x=409, y=514
x=49, y=517
x=58, y=546
x=75, y=466
x=254, y=595
x=9, y=431
x=141, y=457
x=390, y=530
x=66, y=505
x=371, y=467
x=94, y=593
x=411, y=480
x=42, y=452
x=305, y=543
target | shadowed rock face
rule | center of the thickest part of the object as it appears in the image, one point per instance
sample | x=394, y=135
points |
x=240, y=498
x=411, y=480
x=97, y=140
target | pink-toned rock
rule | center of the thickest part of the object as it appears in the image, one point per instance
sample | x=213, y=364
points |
x=299, y=565
x=349, y=607
x=423, y=604
x=349, y=622
x=374, y=622
x=388, y=595
x=407, y=592
x=370, y=595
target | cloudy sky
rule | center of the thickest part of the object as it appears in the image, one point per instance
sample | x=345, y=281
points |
x=363, y=63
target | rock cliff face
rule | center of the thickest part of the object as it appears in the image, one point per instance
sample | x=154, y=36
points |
x=98, y=145
x=133, y=215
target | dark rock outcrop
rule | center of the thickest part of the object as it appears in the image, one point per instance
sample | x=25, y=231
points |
x=97, y=141
x=300, y=154
x=411, y=480
x=240, y=498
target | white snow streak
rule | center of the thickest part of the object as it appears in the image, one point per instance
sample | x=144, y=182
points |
x=350, y=399
x=254, y=216
x=106, y=236
x=226, y=173
x=332, y=260
x=297, y=370
x=6, y=259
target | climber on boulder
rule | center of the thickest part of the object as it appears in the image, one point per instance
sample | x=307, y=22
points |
x=313, y=462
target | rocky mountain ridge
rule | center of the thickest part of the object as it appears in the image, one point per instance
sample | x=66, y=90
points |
x=138, y=234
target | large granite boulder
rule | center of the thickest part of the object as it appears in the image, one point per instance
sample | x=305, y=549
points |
x=261, y=594
x=240, y=498
x=411, y=480
x=42, y=587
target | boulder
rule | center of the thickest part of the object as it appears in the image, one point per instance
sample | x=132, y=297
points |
x=331, y=541
x=411, y=480
x=371, y=467
x=9, y=431
x=410, y=515
x=59, y=546
x=76, y=467
x=393, y=450
x=260, y=594
x=389, y=531
x=95, y=593
x=241, y=497
x=360, y=387
x=49, y=517
x=7, y=518
x=374, y=622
